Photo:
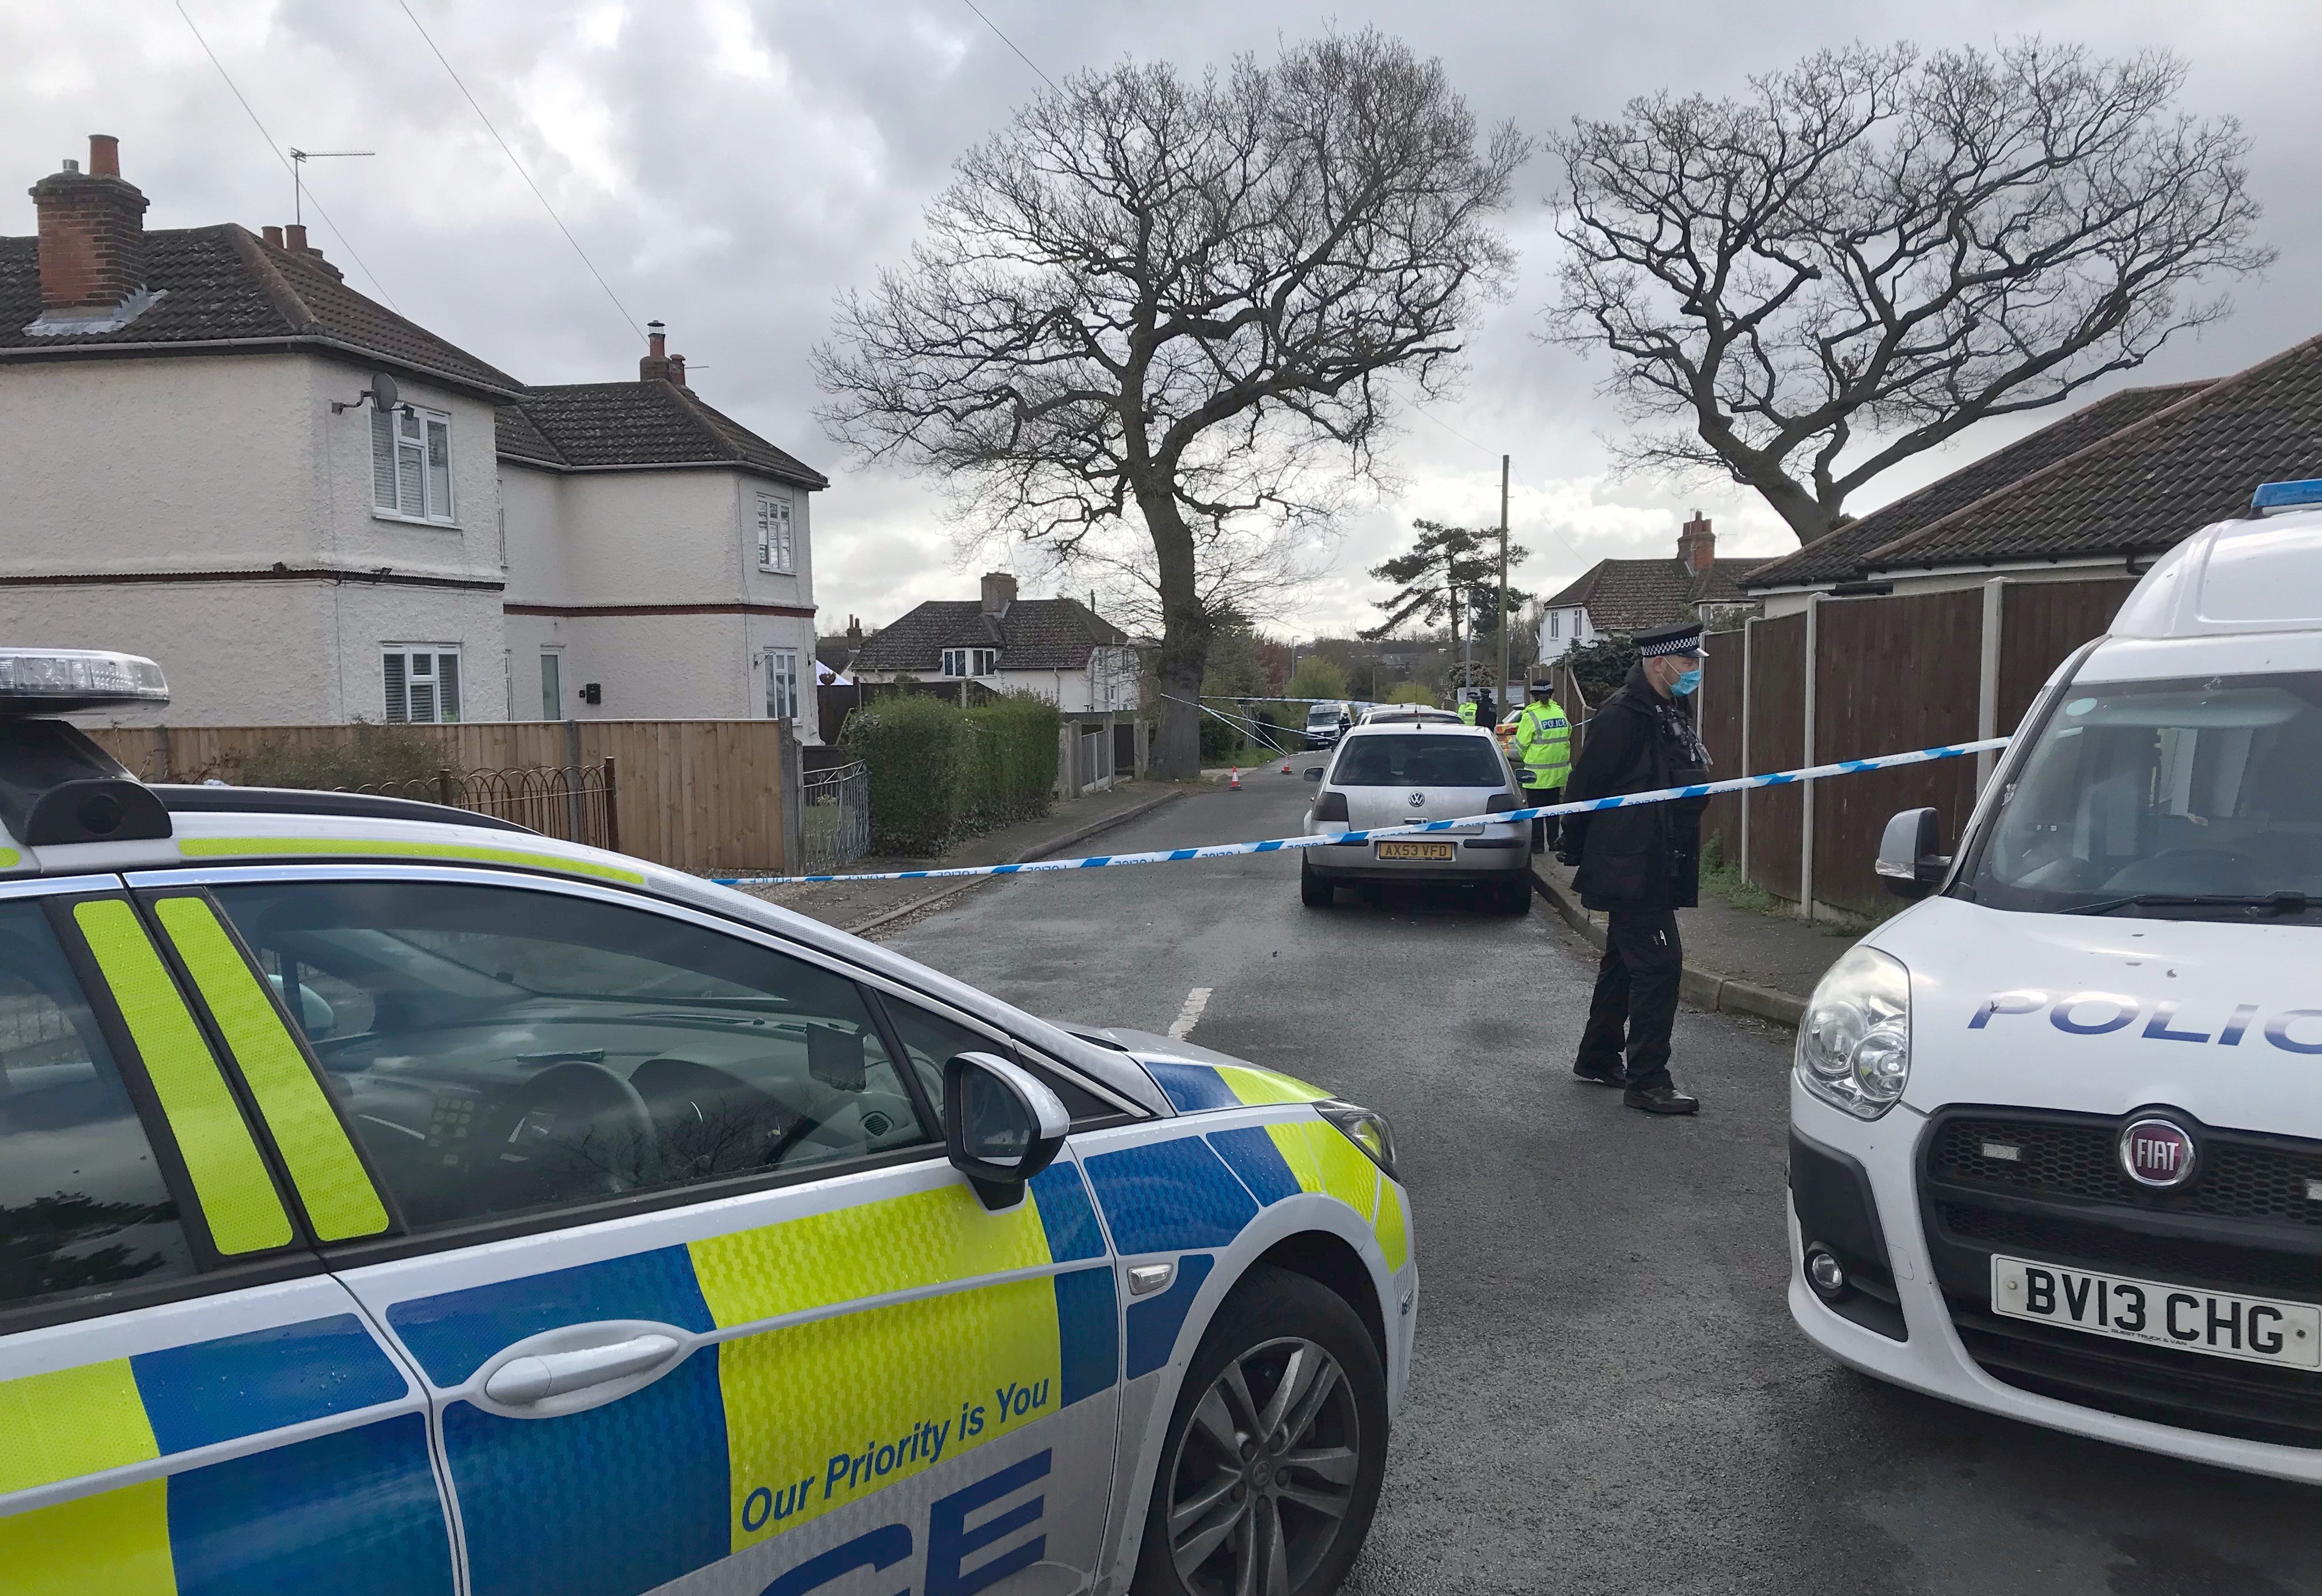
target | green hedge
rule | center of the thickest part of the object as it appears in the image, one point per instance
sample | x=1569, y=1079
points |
x=939, y=773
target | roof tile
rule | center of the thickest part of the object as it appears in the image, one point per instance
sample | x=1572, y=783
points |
x=1628, y=596
x=598, y=424
x=1035, y=635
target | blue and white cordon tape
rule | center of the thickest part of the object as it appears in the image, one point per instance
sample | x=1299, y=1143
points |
x=1846, y=767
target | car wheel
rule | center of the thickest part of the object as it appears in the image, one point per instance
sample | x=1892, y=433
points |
x=1515, y=897
x=1271, y=1469
x=1313, y=891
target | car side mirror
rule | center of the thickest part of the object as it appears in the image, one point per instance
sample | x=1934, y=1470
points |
x=1911, y=861
x=1313, y=772
x=1002, y=1124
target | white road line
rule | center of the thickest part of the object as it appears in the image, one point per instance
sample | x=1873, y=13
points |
x=1190, y=1015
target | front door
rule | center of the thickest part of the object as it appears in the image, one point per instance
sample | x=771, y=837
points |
x=697, y=1300
x=187, y=1403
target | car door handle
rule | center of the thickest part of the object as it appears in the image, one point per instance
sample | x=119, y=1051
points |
x=522, y=1382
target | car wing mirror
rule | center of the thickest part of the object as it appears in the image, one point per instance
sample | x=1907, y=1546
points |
x=1911, y=861
x=1001, y=1125
x=834, y=1056
x=1313, y=772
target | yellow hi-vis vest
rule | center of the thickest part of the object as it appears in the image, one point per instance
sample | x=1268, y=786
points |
x=1467, y=712
x=1544, y=744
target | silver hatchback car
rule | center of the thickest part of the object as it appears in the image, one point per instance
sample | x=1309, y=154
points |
x=1396, y=773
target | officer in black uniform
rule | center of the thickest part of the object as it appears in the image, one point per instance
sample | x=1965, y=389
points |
x=1639, y=865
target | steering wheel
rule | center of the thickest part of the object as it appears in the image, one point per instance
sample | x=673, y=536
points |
x=581, y=1131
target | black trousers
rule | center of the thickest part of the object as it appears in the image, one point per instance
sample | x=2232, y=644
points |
x=1543, y=830
x=1635, y=1004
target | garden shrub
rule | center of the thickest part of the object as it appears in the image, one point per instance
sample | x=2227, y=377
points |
x=938, y=772
x=1012, y=763
x=370, y=756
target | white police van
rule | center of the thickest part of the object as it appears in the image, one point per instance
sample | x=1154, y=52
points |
x=395, y=1202
x=2056, y=1131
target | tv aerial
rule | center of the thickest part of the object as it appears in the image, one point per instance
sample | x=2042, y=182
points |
x=298, y=159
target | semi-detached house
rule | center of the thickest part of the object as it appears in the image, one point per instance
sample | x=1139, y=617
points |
x=202, y=465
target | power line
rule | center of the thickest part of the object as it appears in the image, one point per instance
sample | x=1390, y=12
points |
x=1471, y=442
x=337, y=231
x=520, y=172
x=1010, y=43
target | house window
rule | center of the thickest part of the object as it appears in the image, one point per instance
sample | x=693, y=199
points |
x=970, y=661
x=551, y=687
x=1556, y=623
x=775, y=550
x=411, y=464
x=422, y=683
x=782, y=684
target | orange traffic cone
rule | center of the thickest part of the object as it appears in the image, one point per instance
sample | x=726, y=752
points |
x=1286, y=767
x=1233, y=780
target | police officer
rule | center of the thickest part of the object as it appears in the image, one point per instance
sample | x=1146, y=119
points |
x=1543, y=748
x=1639, y=865
x=1467, y=712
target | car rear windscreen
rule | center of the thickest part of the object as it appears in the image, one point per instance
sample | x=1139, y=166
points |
x=1419, y=761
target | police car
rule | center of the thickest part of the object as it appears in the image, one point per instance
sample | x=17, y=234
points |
x=396, y=1202
x=2056, y=1131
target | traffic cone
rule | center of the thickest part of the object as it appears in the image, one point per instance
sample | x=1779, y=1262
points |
x=1233, y=780
x=1286, y=767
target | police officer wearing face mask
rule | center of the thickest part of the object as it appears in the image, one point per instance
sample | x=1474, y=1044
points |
x=1639, y=865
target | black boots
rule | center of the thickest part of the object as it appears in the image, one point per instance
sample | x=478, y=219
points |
x=1661, y=1099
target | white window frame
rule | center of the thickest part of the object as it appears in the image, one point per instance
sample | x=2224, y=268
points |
x=959, y=663
x=433, y=454
x=397, y=679
x=777, y=535
x=782, y=665
x=547, y=656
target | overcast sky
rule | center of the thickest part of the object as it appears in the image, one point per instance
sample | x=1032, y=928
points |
x=729, y=165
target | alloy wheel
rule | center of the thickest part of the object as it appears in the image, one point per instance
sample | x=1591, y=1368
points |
x=1264, y=1477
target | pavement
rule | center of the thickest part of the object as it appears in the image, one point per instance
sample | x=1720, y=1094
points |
x=865, y=907
x=1609, y=1396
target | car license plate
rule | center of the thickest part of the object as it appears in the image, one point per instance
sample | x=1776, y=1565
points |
x=2256, y=1329
x=1418, y=851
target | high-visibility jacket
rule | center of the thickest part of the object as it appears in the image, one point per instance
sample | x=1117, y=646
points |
x=1544, y=744
x=1467, y=712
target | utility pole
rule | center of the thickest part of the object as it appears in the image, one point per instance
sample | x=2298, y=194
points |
x=1504, y=585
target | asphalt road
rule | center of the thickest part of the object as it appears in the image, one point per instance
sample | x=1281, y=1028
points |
x=1609, y=1395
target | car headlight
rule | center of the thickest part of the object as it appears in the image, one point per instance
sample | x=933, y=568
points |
x=1854, y=1041
x=1366, y=1128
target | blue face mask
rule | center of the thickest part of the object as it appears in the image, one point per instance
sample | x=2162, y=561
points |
x=1687, y=683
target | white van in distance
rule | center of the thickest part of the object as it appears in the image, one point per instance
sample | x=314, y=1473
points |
x=2056, y=1131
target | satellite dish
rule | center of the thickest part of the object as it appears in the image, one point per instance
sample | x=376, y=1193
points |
x=383, y=391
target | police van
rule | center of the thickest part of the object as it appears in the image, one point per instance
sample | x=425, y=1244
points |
x=396, y=1202
x=2056, y=1130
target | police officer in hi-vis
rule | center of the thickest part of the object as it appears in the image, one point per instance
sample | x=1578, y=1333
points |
x=1639, y=865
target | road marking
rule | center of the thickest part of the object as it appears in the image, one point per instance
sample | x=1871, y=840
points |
x=1190, y=1015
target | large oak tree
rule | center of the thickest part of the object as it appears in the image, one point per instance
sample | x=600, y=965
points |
x=1874, y=250
x=1185, y=300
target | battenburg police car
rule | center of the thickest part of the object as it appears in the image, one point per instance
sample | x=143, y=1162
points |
x=395, y=1202
x=2056, y=1132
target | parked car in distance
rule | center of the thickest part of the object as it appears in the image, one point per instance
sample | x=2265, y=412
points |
x=1394, y=773
x=1326, y=722
x=1407, y=714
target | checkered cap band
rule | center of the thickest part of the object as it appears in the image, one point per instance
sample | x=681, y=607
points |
x=1687, y=643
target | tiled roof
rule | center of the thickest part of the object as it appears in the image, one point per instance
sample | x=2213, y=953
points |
x=2144, y=486
x=223, y=285
x=1837, y=556
x=1035, y=635
x=586, y=425
x=1631, y=595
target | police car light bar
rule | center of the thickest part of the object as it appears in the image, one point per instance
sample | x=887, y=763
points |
x=2284, y=496
x=59, y=680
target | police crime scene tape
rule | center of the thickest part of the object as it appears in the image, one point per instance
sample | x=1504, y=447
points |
x=1846, y=767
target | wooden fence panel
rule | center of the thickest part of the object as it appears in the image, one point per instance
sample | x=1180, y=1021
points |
x=706, y=796
x=2041, y=623
x=1777, y=725
x=1720, y=710
x=1896, y=673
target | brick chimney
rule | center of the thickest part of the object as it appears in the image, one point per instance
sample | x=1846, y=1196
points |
x=272, y=235
x=999, y=592
x=1696, y=545
x=91, y=245
x=657, y=365
x=294, y=238
x=853, y=636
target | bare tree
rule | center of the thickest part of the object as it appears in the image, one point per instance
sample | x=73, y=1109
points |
x=1185, y=300
x=1874, y=250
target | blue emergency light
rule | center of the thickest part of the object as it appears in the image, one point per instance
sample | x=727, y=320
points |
x=2284, y=496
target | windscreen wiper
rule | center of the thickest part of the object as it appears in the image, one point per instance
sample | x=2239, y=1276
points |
x=2277, y=903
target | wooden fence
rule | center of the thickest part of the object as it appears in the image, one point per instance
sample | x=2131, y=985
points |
x=1851, y=678
x=715, y=797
